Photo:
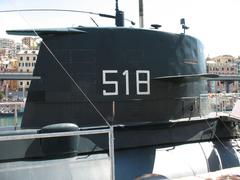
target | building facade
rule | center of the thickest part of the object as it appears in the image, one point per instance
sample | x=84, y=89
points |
x=6, y=43
x=30, y=42
x=26, y=63
x=223, y=65
x=7, y=48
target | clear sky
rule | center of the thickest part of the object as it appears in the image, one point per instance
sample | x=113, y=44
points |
x=215, y=22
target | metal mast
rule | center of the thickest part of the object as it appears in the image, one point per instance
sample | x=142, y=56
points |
x=141, y=13
x=119, y=20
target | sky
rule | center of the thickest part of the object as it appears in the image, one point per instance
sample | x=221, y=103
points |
x=215, y=22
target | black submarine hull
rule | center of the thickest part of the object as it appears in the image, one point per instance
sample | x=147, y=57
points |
x=145, y=83
x=119, y=65
x=172, y=150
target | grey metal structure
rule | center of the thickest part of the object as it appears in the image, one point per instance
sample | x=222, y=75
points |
x=22, y=174
x=18, y=76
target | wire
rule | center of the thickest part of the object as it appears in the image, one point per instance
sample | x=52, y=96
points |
x=65, y=70
x=57, y=10
x=94, y=21
x=79, y=88
x=64, y=10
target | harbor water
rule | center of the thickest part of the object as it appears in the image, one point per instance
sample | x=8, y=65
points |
x=10, y=121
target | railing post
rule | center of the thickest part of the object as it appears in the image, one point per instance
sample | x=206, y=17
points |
x=216, y=103
x=15, y=116
x=111, y=151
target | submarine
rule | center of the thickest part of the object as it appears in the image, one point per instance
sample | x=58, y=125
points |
x=142, y=84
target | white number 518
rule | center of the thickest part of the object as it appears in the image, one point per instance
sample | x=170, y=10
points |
x=139, y=82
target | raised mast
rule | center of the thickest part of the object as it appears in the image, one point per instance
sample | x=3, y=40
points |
x=141, y=14
x=119, y=20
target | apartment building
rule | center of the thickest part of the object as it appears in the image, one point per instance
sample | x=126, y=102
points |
x=7, y=47
x=26, y=63
x=222, y=65
x=30, y=42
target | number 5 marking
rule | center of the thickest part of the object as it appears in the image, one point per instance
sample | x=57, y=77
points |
x=114, y=83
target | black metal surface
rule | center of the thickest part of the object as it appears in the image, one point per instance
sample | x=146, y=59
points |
x=167, y=134
x=61, y=146
x=143, y=106
x=55, y=99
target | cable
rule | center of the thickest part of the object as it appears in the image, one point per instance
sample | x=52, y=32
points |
x=79, y=88
x=57, y=10
x=65, y=70
x=65, y=10
x=225, y=147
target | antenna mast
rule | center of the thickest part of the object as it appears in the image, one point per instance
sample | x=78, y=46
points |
x=119, y=20
x=141, y=13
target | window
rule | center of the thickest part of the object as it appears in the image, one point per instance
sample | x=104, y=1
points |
x=34, y=58
x=19, y=64
x=22, y=64
x=21, y=58
x=27, y=58
x=27, y=70
x=21, y=83
x=26, y=64
x=28, y=83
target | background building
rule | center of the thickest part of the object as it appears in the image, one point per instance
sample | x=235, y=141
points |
x=26, y=63
x=6, y=43
x=7, y=48
x=30, y=42
x=17, y=57
x=223, y=65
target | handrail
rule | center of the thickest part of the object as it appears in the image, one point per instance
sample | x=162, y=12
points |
x=2, y=103
x=18, y=76
x=109, y=131
x=52, y=135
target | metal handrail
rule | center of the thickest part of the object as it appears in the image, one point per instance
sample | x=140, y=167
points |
x=109, y=131
x=3, y=103
x=52, y=135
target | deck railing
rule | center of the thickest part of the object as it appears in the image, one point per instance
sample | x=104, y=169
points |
x=108, y=131
x=218, y=103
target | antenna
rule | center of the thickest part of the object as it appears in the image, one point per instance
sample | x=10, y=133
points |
x=94, y=21
x=141, y=13
x=119, y=20
x=184, y=27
